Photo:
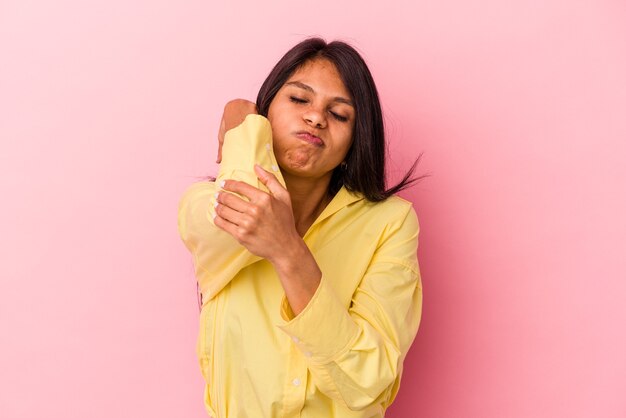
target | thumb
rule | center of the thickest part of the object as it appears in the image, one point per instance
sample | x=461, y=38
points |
x=270, y=181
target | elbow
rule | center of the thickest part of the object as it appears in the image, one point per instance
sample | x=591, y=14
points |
x=373, y=383
x=372, y=397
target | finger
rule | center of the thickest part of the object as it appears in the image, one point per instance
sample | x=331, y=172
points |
x=271, y=182
x=220, y=140
x=252, y=193
x=225, y=225
x=232, y=216
x=233, y=201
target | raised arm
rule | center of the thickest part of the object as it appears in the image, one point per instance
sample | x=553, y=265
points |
x=217, y=256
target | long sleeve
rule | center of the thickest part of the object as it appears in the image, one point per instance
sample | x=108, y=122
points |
x=217, y=256
x=355, y=356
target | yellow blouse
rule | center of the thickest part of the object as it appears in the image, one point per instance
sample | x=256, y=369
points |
x=342, y=355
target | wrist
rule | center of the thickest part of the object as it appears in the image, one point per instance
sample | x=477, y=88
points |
x=295, y=252
x=299, y=275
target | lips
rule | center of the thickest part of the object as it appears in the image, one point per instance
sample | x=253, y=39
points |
x=310, y=138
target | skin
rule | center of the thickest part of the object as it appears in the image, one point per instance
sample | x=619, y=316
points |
x=271, y=225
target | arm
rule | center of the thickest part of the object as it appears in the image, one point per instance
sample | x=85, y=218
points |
x=217, y=256
x=357, y=360
x=263, y=222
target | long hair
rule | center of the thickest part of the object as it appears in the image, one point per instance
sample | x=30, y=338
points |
x=364, y=171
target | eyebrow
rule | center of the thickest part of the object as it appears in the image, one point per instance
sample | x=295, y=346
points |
x=308, y=88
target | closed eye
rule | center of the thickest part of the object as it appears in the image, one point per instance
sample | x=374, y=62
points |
x=339, y=117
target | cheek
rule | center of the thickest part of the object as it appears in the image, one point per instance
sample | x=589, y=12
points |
x=347, y=138
x=278, y=132
x=273, y=111
x=278, y=122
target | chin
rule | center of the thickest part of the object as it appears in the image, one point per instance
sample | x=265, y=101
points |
x=296, y=161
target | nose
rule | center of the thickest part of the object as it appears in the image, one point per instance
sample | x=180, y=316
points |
x=316, y=117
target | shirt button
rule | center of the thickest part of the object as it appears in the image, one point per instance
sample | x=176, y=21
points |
x=274, y=167
x=308, y=354
x=296, y=382
x=295, y=340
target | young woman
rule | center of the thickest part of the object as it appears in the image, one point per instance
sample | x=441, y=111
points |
x=306, y=261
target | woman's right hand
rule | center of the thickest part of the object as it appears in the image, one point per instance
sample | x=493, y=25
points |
x=234, y=114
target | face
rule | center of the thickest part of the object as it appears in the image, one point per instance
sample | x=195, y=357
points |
x=312, y=118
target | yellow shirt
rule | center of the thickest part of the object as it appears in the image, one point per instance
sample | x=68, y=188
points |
x=342, y=355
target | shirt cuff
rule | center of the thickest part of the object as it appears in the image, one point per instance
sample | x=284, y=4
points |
x=324, y=329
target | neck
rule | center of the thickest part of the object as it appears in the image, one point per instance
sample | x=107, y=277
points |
x=308, y=200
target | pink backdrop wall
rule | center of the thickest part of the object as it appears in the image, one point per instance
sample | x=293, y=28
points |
x=109, y=109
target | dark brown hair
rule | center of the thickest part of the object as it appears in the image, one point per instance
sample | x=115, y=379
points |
x=364, y=171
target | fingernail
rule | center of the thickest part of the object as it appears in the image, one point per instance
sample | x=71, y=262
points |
x=217, y=195
x=222, y=183
x=215, y=204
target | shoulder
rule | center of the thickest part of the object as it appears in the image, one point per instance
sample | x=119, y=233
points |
x=393, y=212
x=390, y=222
x=392, y=229
x=395, y=204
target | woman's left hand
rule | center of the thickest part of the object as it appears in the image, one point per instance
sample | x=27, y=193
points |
x=264, y=224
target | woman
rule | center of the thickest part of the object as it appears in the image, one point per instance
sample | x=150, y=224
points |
x=306, y=262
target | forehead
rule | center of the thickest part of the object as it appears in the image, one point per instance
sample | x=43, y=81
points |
x=321, y=75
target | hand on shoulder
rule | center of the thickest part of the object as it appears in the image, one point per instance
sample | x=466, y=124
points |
x=234, y=114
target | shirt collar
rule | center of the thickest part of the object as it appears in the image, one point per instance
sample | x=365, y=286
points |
x=342, y=199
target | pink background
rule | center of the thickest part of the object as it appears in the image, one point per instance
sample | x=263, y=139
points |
x=109, y=109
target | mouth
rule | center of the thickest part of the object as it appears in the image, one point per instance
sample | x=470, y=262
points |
x=310, y=138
